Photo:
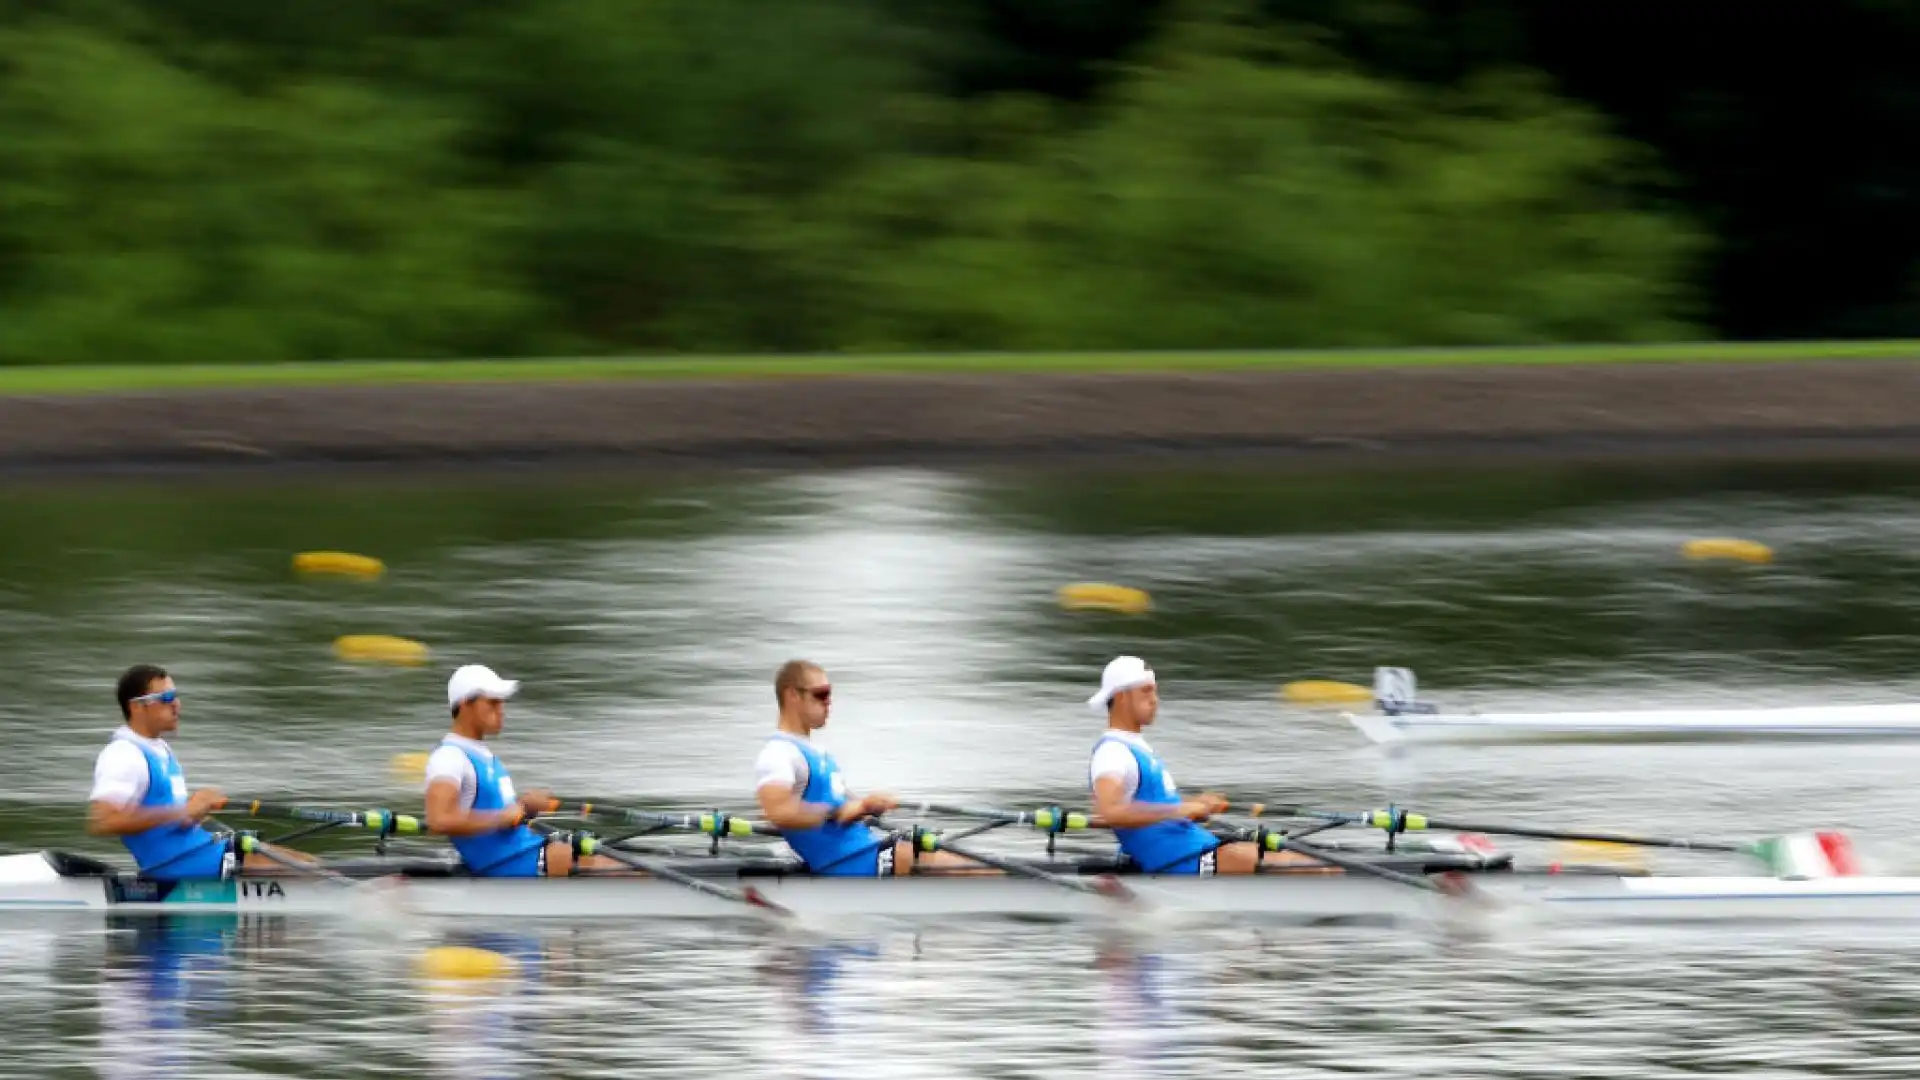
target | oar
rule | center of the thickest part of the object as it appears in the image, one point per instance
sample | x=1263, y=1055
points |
x=1273, y=841
x=708, y=823
x=249, y=844
x=382, y=820
x=1397, y=820
x=1782, y=854
x=748, y=895
x=1106, y=885
x=1046, y=819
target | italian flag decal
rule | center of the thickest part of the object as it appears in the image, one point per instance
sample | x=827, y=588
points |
x=1809, y=855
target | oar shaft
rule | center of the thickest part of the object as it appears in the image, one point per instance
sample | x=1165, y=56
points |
x=254, y=846
x=1273, y=841
x=1405, y=821
x=1594, y=837
x=364, y=819
x=591, y=846
x=709, y=823
x=1047, y=818
x=1106, y=887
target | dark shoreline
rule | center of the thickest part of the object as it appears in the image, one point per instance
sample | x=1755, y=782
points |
x=1309, y=418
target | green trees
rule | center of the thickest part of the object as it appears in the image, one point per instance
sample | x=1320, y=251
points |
x=706, y=175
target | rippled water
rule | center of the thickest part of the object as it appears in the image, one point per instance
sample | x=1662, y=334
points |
x=647, y=622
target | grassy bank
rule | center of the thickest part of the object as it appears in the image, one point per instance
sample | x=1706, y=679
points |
x=133, y=377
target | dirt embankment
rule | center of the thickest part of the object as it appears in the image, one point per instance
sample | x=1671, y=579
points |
x=1868, y=409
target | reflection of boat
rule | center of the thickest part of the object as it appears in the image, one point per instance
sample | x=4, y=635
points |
x=50, y=881
x=1399, y=718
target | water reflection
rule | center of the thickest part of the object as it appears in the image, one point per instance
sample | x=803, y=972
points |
x=165, y=988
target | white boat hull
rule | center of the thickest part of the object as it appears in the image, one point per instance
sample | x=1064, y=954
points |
x=1282, y=898
x=1812, y=722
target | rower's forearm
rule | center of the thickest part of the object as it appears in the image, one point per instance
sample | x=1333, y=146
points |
x=1138, y=815
x=473, y=822
x=800, y=815
x=127, y=820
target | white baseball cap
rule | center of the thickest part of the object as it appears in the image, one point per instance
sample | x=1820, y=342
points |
x=1123, y=673
x=476, y=680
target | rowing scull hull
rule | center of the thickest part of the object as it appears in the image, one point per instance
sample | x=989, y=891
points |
x=1276, y=899
x=1809, y=722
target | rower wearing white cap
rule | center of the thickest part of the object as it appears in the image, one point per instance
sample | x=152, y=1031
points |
x=470, y=797
x=1134, y=794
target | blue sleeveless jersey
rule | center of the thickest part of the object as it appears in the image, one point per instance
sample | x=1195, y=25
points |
x=831, y=849
x=1164, y=847
x=511, y=852
x=177, y=851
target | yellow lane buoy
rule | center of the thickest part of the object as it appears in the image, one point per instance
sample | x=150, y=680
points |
x=1324, y=692
x=380, y=649
x=1096, y=596
x=464, y=962
x=405, y=767
x=1727, y=547
x=342, y=563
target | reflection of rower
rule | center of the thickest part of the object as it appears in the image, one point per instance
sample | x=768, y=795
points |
x=140, y=791
x=166, y=984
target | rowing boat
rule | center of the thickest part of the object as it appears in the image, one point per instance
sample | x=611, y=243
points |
x=432, y=888
x=1399, y=718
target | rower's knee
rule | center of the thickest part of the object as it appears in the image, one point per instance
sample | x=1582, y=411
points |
x=1235, y=858
x=559, y=859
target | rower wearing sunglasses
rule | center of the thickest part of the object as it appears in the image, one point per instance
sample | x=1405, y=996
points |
x=140, y=792
x=803, y=794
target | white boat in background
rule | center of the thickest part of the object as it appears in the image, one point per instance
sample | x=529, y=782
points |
x=1400, y=717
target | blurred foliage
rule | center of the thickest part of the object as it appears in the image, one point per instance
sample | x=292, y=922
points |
x=210, y=180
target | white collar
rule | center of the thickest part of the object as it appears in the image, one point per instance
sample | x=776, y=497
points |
x=471, y=744
x=158, y=746
x=1133, y=737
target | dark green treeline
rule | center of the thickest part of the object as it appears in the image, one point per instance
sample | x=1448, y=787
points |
x=217, y=180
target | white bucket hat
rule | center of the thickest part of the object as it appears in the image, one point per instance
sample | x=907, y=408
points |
x=1123, y=673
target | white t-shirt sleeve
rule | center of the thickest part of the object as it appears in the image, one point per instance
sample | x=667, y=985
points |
x=451, y=763
x=119, y=774
x=1113, y=758
x=780, y=762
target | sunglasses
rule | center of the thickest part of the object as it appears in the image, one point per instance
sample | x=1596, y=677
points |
x=160, y=697
x=821, y=694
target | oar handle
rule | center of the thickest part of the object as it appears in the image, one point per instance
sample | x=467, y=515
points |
x=380, y=820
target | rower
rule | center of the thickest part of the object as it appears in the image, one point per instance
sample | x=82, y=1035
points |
x=140, y=792
x=1134, y=794
x=470, y=798
x=803, y=794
